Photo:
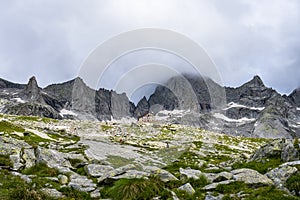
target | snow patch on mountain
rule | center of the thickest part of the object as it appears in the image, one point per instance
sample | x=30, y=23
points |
x=223, y=117
x=236, y=105
x=67, y=112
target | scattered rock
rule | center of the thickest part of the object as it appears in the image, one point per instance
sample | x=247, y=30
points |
x=96, y=194
x=250, y=176
x=280, y=174
x=223, y=176
x=164, y=175
x=214, y=185
x=95, y=170
x=63, y=179
x=188, y=188
x=52, y=192
x=189, y=173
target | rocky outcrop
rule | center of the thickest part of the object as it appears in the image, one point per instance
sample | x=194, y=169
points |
x=251, y=177
x=295, y=97
x=280, y=148
x=32, y=109
x=142, y=108
x=32, y=92
x=7, y=84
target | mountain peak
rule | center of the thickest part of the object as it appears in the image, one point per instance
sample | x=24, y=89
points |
x=32, y=91
x=256, y=81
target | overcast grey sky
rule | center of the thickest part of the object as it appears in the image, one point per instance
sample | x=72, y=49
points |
x=51, y=38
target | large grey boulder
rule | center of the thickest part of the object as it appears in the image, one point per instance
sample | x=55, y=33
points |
x=52, y=158
x=188, y=188
x=81, y=183
x=96, y=170
x=164, y=175
x=250, y=176
x=213, y=186
x=189, y=173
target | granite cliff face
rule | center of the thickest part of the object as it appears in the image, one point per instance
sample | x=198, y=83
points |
x=251, y=110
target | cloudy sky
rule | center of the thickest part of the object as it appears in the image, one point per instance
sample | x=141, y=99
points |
x=52, y=38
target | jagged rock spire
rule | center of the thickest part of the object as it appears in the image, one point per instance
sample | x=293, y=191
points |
x=32, y=91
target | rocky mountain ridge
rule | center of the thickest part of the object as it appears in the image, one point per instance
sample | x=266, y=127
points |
x=251, y=110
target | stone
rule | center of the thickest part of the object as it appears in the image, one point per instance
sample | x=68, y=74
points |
x=213, y=186
x=81, y=183
x=29, y=157
x=52, y=158
x=96, y=170
x=63, y=179
x=96, y=194
x=188, y=188
x=22, y=176
x=250, y=176
x=222, y=176
x=189, y=173
x=130, y=174
x=164, y=175
x=52, y=192
x=280, y=174
x=116, y=172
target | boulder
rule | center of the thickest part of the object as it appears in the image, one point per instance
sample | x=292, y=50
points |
x=223, y=176
x=164, y=175
x=214, y=185
x=250, y=176
x=95, y=170
x=52, y=192
x=189, y=173
x=188, y=188
x=81, y=183
x=52, y=158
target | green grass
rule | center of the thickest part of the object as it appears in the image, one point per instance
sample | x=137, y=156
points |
x=13, y=187
x=129, y=189
x=8, y=127
x=261, y=167
x=41, y=170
